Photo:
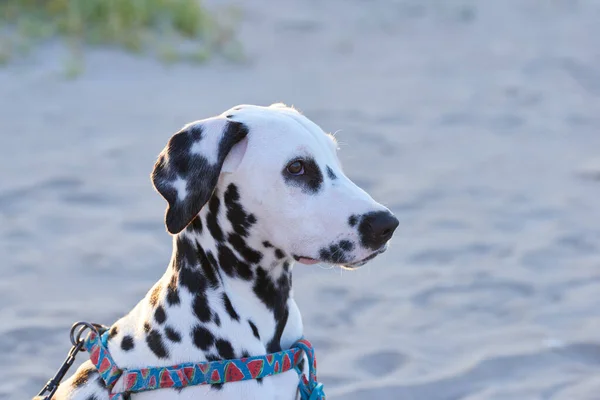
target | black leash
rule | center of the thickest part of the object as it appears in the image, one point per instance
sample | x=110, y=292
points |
x=75, y=335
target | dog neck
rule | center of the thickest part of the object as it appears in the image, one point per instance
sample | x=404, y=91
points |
x=227, y=293
x=252, y=278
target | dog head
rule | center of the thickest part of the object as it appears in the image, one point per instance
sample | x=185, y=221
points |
x=282, y=175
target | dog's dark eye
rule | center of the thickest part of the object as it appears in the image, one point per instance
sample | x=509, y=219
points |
x=296, y=168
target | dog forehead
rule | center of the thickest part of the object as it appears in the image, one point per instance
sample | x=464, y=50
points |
x=282, y=127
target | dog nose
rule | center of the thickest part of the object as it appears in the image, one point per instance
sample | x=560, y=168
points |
x=377, y=228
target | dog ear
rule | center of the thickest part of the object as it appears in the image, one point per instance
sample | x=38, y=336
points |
x=187, y=170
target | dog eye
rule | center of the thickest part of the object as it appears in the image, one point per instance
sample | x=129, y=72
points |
x=296, y=168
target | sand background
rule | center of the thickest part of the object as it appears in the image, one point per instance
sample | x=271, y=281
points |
x=476, y=122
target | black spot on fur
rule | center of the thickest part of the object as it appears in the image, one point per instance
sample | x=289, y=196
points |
x=202, y=338
x=286, y=267
x=232, y=265
x=331, y=174
x=155, y=343
x=217, y=319
x=91, y=397
x=259, y=381
x=185, y=253
x=279, y=254
x=127, y=343
x=346, y=245
x=229, y=116
x=241, y=221
x=212, y=218
x=352, y=220
x=159, y=315
x=172, y=334
x=337, y=253
x=274, y=344
x=229, y=308
x=264, y=289
x=274, y=296
x=114, y=331
x=172, y=292
x=154, y=295
x=216, y=386
x=201, y=308
x=267, y=244
x=146, y=327
x=209, y=267
x=310, y=182
x=192, y=279
x=196, y=225
x=83, y=376
x=254, y=329
x=249, y=254
x=225, y=349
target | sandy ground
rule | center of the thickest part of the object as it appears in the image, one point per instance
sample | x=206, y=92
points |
x=477, y=122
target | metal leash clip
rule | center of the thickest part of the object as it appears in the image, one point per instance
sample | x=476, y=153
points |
x=77, y=340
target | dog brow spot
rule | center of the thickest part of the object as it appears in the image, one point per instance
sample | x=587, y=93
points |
x=127, y=343
x=353, y=220
x=310, y=182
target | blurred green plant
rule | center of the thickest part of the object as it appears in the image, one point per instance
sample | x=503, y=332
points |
x=172, y=29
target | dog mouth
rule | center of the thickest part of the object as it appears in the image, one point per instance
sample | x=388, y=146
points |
x=365, y=260
x=349, y=265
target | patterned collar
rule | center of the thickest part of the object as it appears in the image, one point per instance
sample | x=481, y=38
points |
x=121, y=382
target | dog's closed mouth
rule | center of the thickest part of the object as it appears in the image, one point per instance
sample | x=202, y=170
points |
x=359, y=263
x=306, y=260
x=366, y=259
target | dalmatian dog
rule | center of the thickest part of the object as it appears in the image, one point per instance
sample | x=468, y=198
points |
x=249, y=192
